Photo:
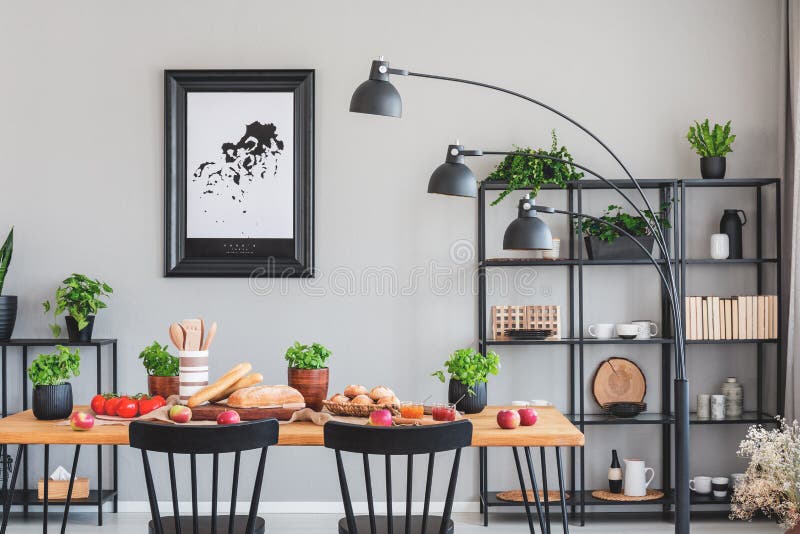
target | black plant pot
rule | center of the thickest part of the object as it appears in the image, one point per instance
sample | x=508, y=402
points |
x=52, y=402
x=79, y=335
x=712, y=167
x=8, y=315
x=470, y=403
x=622, y=248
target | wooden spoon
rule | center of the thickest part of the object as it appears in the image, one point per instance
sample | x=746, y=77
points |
x=202, y=333
x=192, y=327
x=176, y=335
x=210, y=337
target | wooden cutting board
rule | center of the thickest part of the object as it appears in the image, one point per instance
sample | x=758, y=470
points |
x=618, y=380
x=209, y=412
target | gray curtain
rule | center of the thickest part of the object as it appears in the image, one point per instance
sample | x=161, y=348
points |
x=791, y=204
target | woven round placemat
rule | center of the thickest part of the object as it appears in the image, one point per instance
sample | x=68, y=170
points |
x=516, y=495
x=604, y=495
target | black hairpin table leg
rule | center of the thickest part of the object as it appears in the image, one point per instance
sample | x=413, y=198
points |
x=9, y=497
x=564, y=521
x=544, y=489
x=523, y=490
x=69, y=490
x=535, y=487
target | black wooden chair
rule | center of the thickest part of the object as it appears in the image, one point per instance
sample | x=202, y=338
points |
x=396, y=441
x=214, y=440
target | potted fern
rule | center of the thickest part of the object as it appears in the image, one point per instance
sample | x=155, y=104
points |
x=711, y=144
x=49, y=373
x=8, y=303
x=162, y=370
x=308, y=373
x=603, y=243
x=80, y=297
x=469, y=372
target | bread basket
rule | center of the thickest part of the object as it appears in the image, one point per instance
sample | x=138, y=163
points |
x=358, y=410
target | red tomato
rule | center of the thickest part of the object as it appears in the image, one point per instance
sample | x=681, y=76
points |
x=160, y=400
x=127, y=407
x=98, y=404
x=148, y=405
x=111, y=405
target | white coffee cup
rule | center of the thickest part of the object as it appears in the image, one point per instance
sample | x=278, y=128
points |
x=719, y=485
x=700, y=485
x=601, y=330
x=628, y=330
x=720, y=246
x=648, y=329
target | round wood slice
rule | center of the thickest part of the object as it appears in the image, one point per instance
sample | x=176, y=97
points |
x=603, y=495
x=618, y=380
x=516, y=496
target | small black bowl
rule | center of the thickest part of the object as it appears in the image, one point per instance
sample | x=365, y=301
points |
x=632, y=336
x=624, y=409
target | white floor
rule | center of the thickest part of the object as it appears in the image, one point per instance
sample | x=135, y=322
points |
x=466, y=523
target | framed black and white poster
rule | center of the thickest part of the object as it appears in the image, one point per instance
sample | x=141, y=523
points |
x=239, y=152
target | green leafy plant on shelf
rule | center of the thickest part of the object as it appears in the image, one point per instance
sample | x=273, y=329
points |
x=520, y=171
x=711, y=142
x=5, y=257
x=307, y=356
x=80, y=296
x=55, y=368
x=470, y=367
x=633, y=224
x=158, y=361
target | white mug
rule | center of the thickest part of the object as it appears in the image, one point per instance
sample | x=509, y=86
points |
x=720, y=246
x=701, y=485
x=601, y=330
x=719, y=485
x=647, y=330
x=628, y=330
x=636, y=480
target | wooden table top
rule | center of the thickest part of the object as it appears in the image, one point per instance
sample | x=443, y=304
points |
x=551, y=430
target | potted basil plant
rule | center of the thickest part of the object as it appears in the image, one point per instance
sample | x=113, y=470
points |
x=469, y=372
x=8, y=303
x=80, y=298
x=162, y=370
x=308, y=373
x=49, y=373
x=712, y=145
x=603, y=242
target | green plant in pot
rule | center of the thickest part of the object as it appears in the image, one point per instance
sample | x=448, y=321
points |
x=469, y=372
x=162, y=370
x=308, y=373
x=8, y=303
x=712, y=145
x=49, y=373
x=603, y=242
x=520, y=171
x=80, y=297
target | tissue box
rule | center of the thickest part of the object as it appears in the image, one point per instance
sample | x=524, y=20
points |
x=57, y=489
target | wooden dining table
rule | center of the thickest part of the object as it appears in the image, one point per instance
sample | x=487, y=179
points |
x=552, y=430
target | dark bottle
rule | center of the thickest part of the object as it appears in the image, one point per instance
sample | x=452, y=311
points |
x=614, y=474
x=731, y=224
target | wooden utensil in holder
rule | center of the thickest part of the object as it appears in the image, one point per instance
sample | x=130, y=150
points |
x=193, y=372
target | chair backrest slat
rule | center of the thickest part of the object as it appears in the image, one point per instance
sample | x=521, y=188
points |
x=204, y=440
x=373, y=528
x=176, y=513
x=396, y=441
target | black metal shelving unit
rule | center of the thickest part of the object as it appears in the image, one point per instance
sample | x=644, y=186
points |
x=669, y=190
x=25, y=496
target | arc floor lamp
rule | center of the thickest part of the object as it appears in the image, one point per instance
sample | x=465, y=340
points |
x=377, y=96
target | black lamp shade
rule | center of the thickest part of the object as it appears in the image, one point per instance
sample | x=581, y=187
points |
x=527, y=233
x=454, y=179
x=377, y=97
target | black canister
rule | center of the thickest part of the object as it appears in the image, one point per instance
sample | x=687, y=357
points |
x=731, y=225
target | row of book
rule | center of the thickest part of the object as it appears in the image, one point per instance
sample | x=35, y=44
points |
x=744, y=317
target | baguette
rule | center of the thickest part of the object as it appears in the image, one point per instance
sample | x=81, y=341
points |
x=264, y=396
x=245, y=382
x=212, y=390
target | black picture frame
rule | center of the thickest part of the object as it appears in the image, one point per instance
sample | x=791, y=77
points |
x=292, y=258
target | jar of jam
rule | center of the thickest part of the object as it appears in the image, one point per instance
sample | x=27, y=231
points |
x=412, y=410
x=444, y=412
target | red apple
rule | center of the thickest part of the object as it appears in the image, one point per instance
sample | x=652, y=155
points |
x=228, y=417
x=527, y=416
x=508, y=419
x=81, y=421
x=380, y=418
x=180, y=413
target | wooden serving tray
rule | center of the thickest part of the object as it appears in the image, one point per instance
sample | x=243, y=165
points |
x=209, y=412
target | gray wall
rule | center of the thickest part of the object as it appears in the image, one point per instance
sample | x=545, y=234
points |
x=81, y=143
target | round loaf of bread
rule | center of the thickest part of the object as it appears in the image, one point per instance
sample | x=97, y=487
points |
x=265, y=396
x=380, y=392
x=361, y=399
x=354, y=390
x=340, y=399
x=391, y=399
